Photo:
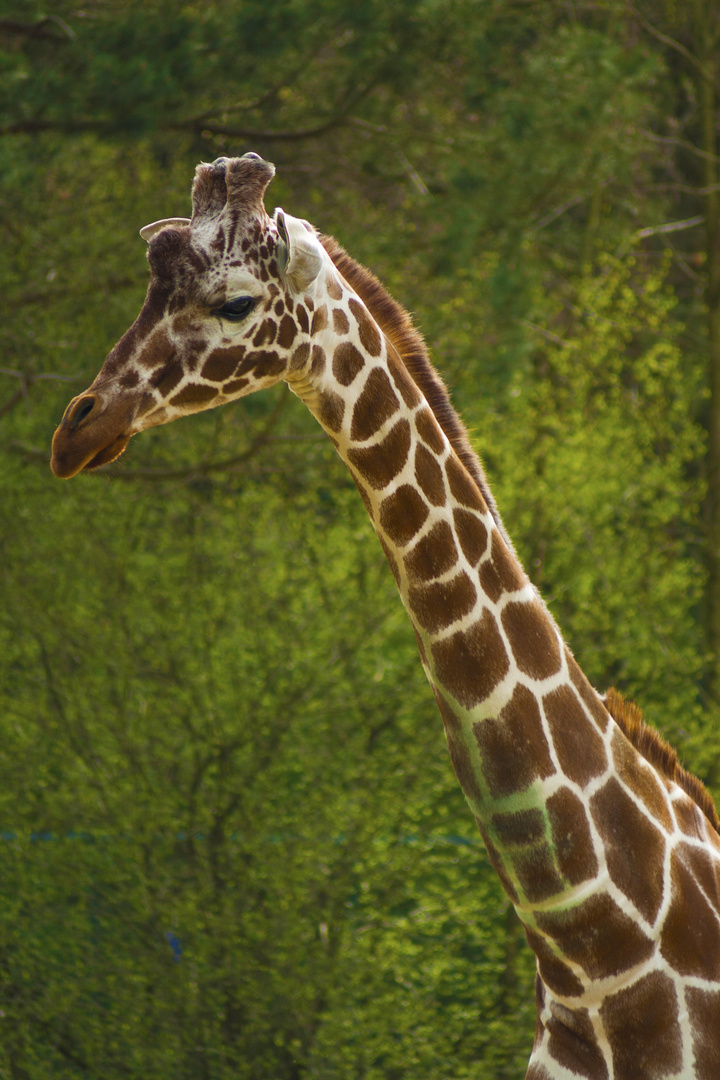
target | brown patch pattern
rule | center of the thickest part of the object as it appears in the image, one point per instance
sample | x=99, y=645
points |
x=319, y=320
x=537, y=1072
x=302, y=319
x=463, y=486
x=347, y=363
x=598, y=936
x=397, y=326
x=490, y=581
x=689, y=818
x=439, y=605
x=532, y=638
x=571, y=837
x=429, y=475
x=408, y=390
x=317, y=364
x=641, y=781
x=403, y=514
x=690, y=939
x=626, y=832
x=433, y=555
x=194, y=394
x=573, y=1044
x=704, y=1009
x=427, y=428
x=234, y=386
x=265, y=334
x=642, y=1025
x=299, y=358
x=704, y=869
x=472, y=535
x=369, y=334
x=579, y=748
x=586, y=692
x=334, y=289
x=286, y=332
x=221, y=364
x=381, y=463
x=166, y=378
x=521, y=836
x=376, y=404
x=555, y=974
x=508, y=572
x=157, y=350
x=331, y=409
x=470, y=663
x=513, y=747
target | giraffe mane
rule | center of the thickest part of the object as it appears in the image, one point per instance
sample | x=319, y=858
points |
x=648, y=742
x=397, y=325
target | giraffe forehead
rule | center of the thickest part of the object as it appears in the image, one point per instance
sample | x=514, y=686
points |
x=234, y=280
x=208, y=257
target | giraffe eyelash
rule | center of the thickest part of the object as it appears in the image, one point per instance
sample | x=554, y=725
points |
x=236, y=309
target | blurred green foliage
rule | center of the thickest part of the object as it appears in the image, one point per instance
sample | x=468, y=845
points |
x=232, y=843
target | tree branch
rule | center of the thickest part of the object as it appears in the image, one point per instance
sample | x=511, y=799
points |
x=41, y=29
x=352, y=98
x=36, y=127
x=673, y=140
x=27, y=378
x=672, y=44
x=260, y=135
x=671, y=226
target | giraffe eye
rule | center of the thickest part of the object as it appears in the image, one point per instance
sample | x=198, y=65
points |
x=235, y=309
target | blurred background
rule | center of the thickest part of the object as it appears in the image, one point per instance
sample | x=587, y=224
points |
x=231, y=842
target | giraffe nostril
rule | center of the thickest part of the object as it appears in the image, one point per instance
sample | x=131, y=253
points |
x=80, y=411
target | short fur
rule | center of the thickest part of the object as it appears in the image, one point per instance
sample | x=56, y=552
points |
x=397, y=325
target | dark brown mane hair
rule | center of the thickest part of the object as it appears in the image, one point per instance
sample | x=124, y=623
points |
x=397, y=325
x=659, y=753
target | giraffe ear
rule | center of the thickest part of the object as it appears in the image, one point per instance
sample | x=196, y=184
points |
x=148, y=231
x=302, y=258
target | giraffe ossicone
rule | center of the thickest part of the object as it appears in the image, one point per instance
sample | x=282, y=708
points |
x=609, y=851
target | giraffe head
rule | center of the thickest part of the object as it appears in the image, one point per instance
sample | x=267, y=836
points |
x=226, y=310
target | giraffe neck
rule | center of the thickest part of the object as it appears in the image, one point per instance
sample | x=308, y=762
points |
x=490, y=649
x=587, y=838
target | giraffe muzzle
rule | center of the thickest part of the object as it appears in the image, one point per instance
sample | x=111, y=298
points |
x=90, y=434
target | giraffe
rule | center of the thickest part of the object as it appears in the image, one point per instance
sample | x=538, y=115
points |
x=608, y=849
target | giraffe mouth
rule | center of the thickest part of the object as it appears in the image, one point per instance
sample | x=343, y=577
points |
x=66, y=463
x=110, y=453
